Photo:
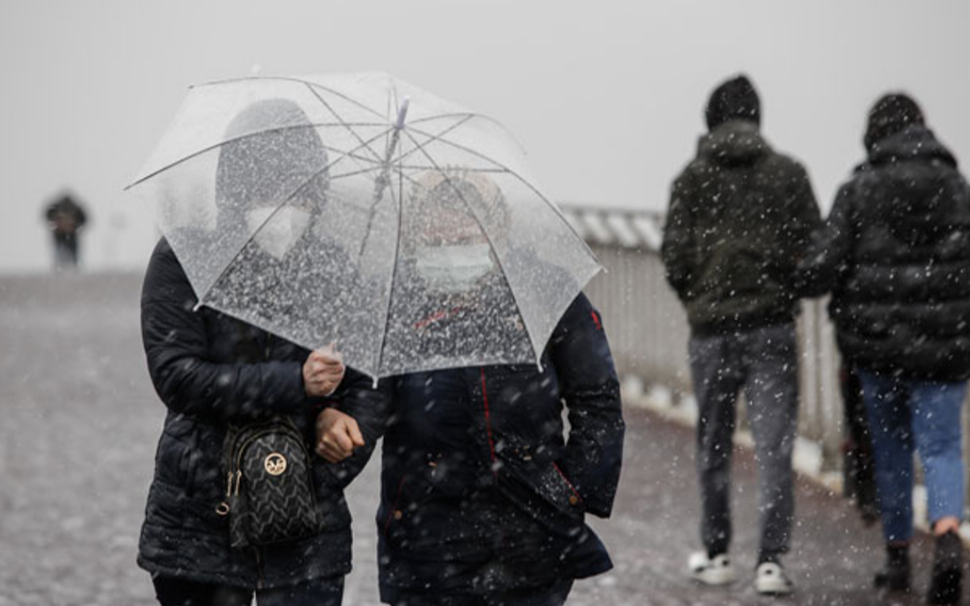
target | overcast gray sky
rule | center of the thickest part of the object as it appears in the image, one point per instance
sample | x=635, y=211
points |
x=606, y=96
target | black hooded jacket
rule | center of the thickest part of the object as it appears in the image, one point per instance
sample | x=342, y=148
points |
x=480, y=491
x=895, y=252
x=210, y=370
x=739, y=217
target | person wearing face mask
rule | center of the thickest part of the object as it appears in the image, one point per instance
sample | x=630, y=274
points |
x=277, y=230
x=452, y=290
x=213, y=371
x=483, y=495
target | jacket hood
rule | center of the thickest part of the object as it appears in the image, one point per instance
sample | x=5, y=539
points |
x=909, y=177
x=915, y=142
x=735, y=142
x=891, y=114
x=271, y=153
x=734, y=99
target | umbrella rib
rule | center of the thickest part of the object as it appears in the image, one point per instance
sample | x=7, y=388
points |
x=437, y=137
x=342, y=121
x=449, y=115
x=233, y=140
x=420, y=167
x=400, y=170
x=292, y=79
x=267, y=220
x=521, y=179
x=397, y=253
x=491, y=245
x=469, y=116
x=350, y=154
x=354, y=173
x=382, y=180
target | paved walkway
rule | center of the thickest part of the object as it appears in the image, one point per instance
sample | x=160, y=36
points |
x=78, y=431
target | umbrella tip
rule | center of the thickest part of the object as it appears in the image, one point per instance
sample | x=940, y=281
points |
x=402, y=113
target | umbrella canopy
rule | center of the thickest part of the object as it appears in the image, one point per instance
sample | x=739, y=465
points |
x=363, y=210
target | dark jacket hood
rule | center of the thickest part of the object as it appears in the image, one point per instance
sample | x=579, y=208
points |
x=734, y=99
x=733, y=143
x=912, y=143
x=909, y=177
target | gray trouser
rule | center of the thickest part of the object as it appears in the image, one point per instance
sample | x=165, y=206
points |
x=764, y=362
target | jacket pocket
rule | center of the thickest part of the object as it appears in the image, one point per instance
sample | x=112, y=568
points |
x=544, y=492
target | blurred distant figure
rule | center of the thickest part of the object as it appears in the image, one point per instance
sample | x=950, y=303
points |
x=66, y=219
x=895, y=253
x=740, y=216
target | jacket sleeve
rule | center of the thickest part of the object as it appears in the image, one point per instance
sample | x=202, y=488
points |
x=589, y=386
x=678, y=248
x=368, y=405
x=804, y=217
x=176, y=347
x=828, y=249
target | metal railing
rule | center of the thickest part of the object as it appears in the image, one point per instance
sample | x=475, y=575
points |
x=648, y=333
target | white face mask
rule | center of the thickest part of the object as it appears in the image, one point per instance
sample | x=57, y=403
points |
x=454, y=269
x=282, y=232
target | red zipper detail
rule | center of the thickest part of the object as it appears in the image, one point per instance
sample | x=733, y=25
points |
x=397, y=501
x=568, y=483
x=488, y=424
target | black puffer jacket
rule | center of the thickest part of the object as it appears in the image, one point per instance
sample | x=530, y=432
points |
x=480, y=491
x=740, y=216
x=210, y=369
x=895, y=252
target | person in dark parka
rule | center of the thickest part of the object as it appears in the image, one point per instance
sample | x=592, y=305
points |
x=895, y=253
x=483, y=498
x=740, y=215
x=212, y=370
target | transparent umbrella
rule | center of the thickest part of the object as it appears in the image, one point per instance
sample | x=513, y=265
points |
x=362, y=210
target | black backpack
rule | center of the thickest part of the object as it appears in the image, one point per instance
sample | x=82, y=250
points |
x=270, y=496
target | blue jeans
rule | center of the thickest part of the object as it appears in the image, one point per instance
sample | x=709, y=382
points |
x=904, y=414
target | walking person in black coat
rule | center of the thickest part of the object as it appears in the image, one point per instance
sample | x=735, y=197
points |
x=66, y=219
x=895, y=253
x=740, y=216
x=483, y=496
x=214, y=372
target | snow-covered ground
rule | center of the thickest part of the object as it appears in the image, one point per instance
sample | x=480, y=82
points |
x=79, y=422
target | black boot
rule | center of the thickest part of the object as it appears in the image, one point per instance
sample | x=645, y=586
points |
x=895, y=575
x=946, y=585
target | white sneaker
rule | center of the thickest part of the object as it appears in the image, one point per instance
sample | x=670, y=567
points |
x=711, y=571
x=771, y=579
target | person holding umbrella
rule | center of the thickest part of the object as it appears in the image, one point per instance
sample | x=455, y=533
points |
x=218, y=374
x=484, y=306
x=483, y=498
